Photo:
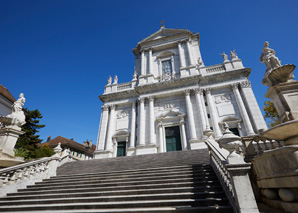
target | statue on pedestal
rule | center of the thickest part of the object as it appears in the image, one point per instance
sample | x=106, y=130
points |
x=110, y=80
x=225, y=57
x=268, y=57
x=233, y=55
x=116, y=80
x=17, y=112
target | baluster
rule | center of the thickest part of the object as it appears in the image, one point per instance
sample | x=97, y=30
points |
x=265, y=144
x=32, y=171
x=279, y=144
x=272, y=145
x=6, y=180
x=260, y=151
x=19, y=175
x=13, y=178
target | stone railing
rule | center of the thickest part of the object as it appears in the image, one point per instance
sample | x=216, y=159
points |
x=218, y=160
x=255, y=145
x=216, y=68
x=233, y=176
x=18, y=177
x=124, y=86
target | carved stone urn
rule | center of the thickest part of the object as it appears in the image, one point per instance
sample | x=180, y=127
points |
x=231, y=142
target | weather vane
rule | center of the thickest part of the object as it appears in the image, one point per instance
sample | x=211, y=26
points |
x=162, y=23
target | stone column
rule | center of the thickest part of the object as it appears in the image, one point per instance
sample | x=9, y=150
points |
x=133, y=125
x=182, y=127
x=202, y=118
x=111, y=127
x=243, y=112
x=103, y=127
x=189, y=50
x=161, y=137
x=152, y=121
x=253, y=106
x=150, y=61
x=182, y=59
x=143, y=71
x=191, y=122
x=142, y=122
x=213, y=114
x=204, y=109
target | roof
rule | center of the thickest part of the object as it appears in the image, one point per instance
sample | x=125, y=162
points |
x=71, y=143
x=6, y=93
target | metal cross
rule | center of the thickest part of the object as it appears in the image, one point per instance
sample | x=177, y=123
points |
x=162, y=22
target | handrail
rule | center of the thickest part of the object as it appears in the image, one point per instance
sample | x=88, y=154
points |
x=218, y=161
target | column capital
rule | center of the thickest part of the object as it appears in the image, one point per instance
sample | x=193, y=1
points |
x=187, y=92
x=105, y=107
x=182, y=121
x=245, y=84
x=235, y=86
x=141, y=99
x=151, y=98
x=133, y=104
x=208, y=90
x=113, y=106
x=159, y=124
x=199, y=91
x=150, y=49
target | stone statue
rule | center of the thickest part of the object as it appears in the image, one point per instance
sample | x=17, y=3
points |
x=17, y=112
x=233, y=55
x=225, y=57
x=110, y=80
x=200, y=62
x=268, y=57
x=134, y=77
x=115, y=79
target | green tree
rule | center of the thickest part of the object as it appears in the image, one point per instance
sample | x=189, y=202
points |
x=271, y=115
x=28, y=144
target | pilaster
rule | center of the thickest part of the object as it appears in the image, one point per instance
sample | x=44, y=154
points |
x=103, y=127
x=253, y=106
x=111, y=129
x=242, y=109
x=213, y=112
x=202, y=118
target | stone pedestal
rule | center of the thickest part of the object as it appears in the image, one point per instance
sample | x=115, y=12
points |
x=285, y=99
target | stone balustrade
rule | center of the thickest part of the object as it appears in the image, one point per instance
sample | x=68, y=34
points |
x=18, y=177
x=255, y=145
x=233, y=175
x=216, y=68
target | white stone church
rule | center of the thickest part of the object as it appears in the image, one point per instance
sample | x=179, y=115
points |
x=173, y=99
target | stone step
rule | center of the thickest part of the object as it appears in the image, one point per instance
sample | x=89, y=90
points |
x=175, y=175
x=163, y=196
x=198, y=190
x=118, y=204
x=205, y=209
x=124, y=175
x=197, y=167
x=203, y=194
x=126, y=182
x=197, y=187
x=152, y=183
x=179, y=158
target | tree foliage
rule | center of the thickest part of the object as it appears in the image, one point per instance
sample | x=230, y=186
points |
x=271, y=115
x=28, y=144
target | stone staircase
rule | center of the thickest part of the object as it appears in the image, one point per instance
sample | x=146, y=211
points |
x=167, y=182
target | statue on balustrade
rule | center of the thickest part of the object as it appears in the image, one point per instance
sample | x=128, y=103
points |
x=17, y=112
x=268, y=57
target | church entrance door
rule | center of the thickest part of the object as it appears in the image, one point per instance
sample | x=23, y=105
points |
x=173, y=140
x=121, y=149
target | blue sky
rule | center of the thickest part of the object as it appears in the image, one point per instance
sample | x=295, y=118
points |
x=60, y=53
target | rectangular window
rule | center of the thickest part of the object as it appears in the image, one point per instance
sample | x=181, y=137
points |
x=166, y=67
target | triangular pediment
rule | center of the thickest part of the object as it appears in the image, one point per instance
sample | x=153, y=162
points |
x=162, y=33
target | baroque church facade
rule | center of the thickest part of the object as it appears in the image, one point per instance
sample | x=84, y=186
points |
x=174, y=100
